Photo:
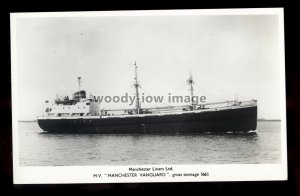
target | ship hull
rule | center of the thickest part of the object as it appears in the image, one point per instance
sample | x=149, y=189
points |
x=229, y=120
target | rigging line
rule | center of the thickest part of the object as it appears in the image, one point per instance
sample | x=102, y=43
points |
x=105, y=108
x=220, y=93
x=214, y=87
x=151, y=95
x=128, y=90
x=207, y=85
x=109, y=106
x=179, y=87
x=212, y=94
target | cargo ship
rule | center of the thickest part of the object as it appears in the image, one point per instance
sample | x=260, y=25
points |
x=82, y=114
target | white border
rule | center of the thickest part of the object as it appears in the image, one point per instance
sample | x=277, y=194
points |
x=84, y=174
x=191, y=12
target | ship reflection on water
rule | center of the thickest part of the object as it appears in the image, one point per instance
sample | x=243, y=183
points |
x=38, y=148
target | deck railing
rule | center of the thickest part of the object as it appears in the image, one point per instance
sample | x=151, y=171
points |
x=167, y=109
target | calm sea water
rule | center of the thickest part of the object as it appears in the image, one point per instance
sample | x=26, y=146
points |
x=37, y=148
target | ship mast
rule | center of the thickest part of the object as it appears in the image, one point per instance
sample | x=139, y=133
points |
x=136, y=86
x=190, y=82
x=79, y=82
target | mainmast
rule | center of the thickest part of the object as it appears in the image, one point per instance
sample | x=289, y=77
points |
x=190, y=82
x=137, y=85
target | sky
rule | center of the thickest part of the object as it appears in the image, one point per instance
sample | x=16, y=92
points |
x=226, y=54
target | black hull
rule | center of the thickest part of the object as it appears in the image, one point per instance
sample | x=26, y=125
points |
x=230, y=120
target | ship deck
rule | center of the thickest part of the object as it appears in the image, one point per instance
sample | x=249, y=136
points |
x=170, y=112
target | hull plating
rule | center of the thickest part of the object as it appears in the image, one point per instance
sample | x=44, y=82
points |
x=231, y=120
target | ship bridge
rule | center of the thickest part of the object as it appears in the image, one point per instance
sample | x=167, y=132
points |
x=78, y=105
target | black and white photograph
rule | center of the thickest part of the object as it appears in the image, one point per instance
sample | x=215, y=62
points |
x=148, y=96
